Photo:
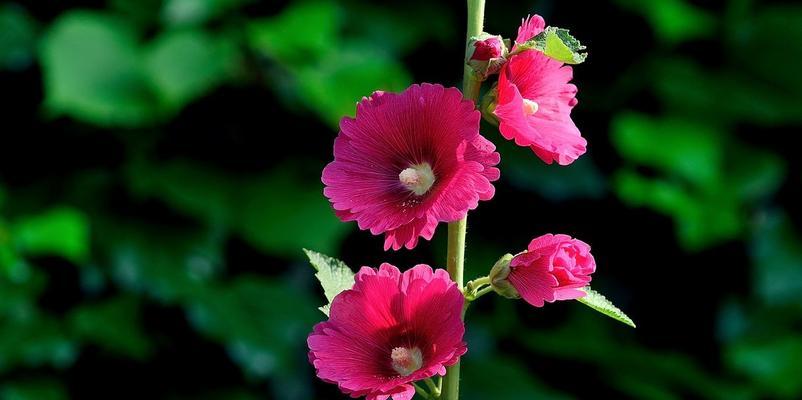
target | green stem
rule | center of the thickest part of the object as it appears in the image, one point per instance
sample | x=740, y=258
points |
x=482, y=292
x=456, y=230
x=421, y=391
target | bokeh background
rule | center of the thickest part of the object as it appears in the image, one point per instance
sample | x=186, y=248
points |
x=160, y=172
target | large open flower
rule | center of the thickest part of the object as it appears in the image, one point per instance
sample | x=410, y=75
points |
x=390, y=330
x=534, y=102
x=408, y=161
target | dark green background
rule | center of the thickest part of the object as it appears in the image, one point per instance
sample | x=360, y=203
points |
x=160, y=172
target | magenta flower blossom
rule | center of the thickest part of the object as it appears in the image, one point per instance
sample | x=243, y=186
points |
x=408, y=161
x=390, y=330
x=534, y=102
x=554, y=267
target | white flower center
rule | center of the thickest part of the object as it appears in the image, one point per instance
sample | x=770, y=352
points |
x=418, y=178
x=530, y=107
x=406, y=361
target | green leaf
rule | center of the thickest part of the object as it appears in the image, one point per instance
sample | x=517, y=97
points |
x=60, y=231
x=333, y=88
x=93, y=71
x=113, y=324
x=690, y=150
x=558, y=44
x=33, y=389
x=258, y=320
x=247, y=204
x=185, y=64
x=600, y=303
x=334, y=275
x=196, y=12
x=674, y=21
x=300, y=35
x=18, y=39
x=774, y=363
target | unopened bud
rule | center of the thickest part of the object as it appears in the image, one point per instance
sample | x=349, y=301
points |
x=486, y=54
x=498, y=278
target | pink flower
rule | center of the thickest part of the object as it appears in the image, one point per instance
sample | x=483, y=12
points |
x=408, y=161
x=554, y=267
x=390, y=330
x=530, y=27
x=487, y=49
x=534, y=102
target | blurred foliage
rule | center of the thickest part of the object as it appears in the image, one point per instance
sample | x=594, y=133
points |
x=124, y=253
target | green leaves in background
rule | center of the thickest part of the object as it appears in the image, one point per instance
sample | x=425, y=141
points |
x=112, y=324
x=773, y=363
x=60, y=231
x=706, y=193
x=92, y=70
x=18, y=38
x=673, y=21
x=777, y=260
x=33, y=389
x=195, y=12
x=96, y=69
x=183, y=65
x=723, y=96
x=253, y=319
x=248, y=205
x=596, y=301
x=328, y=69
x=334, y=275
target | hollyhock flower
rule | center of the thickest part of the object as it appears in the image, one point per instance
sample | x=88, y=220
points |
x=534, y=102
x=554, y=267
x=389, y=330
x=408, y=161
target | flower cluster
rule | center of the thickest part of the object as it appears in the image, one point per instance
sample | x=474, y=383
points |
x=411, y=160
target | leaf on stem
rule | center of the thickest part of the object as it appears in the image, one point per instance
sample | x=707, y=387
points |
x=558, y=44
x=334, y=275
x=596, y=301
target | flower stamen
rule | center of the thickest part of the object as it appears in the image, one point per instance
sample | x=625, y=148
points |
x=530, y=107
x=417, y=178
x=406, y=361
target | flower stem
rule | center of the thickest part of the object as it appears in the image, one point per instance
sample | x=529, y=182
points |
x=456, y=230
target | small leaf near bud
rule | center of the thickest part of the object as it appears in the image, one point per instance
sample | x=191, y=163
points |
x=556, y=43
x=498, y=278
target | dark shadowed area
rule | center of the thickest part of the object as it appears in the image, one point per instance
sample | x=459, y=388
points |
x=160, y=174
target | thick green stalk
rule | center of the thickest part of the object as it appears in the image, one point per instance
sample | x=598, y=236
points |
x=456, y=230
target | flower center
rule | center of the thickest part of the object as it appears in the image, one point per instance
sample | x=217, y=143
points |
x=530, y=107
x=418, y=178
x=406, y=361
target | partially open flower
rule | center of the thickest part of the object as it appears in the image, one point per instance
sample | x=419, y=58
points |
x=390, y=330
x=408, y=161
x=533, y=102
x=554, y=267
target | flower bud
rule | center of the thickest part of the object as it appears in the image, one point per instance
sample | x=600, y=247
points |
x=554, y=267
x=486, y=54
x=498, y=278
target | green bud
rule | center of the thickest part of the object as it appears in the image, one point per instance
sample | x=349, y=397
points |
x=488, y=105
x=498, y=278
